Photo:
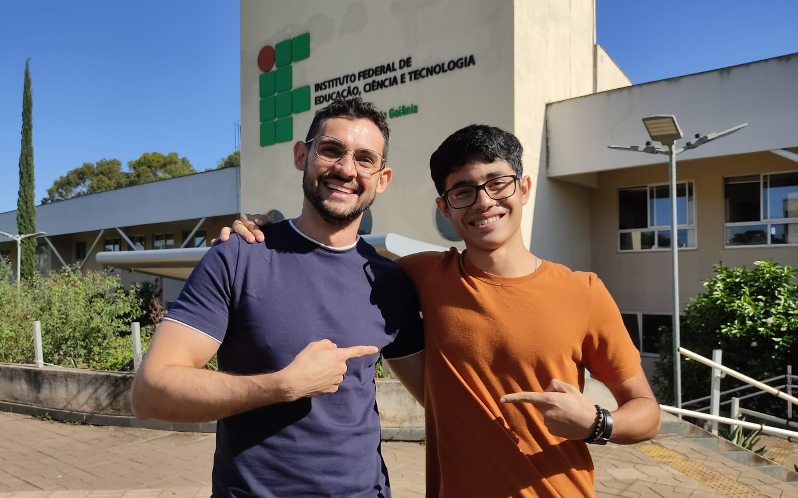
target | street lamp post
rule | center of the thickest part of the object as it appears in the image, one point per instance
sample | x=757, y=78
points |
x=19, y=238
x=665, y=130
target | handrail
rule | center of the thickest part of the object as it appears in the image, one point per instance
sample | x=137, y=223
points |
x=764, y=429
x=769, y=418
x=739, y=376
x=729, y=391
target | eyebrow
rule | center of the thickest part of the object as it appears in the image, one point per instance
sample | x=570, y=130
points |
x=488, y=177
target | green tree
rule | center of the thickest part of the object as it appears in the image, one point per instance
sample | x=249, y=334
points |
x=231, y=161
x=155, y=166
x=26, y=210
x=752, y=315
x=90, y=178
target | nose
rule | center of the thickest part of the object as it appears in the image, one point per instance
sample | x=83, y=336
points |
x=483, y=200
x=346, y=165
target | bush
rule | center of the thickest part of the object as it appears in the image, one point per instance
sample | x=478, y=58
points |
x=85, y=319
x=752, y=315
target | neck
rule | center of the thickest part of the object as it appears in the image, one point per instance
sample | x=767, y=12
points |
x=511, y=259
x=314, y=226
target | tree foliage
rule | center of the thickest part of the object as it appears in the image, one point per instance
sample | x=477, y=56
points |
x=26, y=209
x=155, y=166
x=752, y=316
x=233, y=160
x=107, y=174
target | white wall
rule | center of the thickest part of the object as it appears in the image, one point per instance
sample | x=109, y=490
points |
x=760, y=93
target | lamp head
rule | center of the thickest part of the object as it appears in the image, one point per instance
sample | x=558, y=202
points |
x=663, y=129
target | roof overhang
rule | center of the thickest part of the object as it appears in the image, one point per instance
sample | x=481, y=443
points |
x=179, y=263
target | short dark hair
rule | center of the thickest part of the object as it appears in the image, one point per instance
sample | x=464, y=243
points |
x=355, y=108
x=474, y=143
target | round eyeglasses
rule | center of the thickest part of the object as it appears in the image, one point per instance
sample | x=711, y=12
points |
x=497, y=188
x=331, y=149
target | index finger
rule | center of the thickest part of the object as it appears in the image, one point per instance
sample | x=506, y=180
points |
x=357, y=351
x=537, y=399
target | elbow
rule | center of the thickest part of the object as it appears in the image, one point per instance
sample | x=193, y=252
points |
x=140, y=399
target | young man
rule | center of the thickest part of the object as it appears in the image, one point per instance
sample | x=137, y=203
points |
x=508, y=338
x=298, y=323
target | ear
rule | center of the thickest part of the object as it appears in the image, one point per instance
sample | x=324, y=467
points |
x=443, y=207
x=300, y=155
x=385, y=178
x=526, y=188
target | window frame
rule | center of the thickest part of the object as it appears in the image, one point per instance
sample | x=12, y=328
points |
x=639, y=315
x=657, y=228
x=164, y=235
x=762, y=221
x=115, y=242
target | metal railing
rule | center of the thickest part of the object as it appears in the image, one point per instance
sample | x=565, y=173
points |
x=718, y=371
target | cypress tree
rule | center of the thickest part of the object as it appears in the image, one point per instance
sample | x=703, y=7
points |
x=26, y=210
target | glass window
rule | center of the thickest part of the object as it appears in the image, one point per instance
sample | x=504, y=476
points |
x=41, y=260
x=200, y=239
x=761, y=210
x=80, y=250
x=163, y=241
x=113, y=245
x=651, y=332
x=644, y=217
x=139, y=243
x=630, y=320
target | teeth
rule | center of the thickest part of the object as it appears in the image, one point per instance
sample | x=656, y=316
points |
x=486, y=221
x=339, y=189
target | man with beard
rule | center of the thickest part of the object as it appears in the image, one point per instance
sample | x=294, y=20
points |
x=298, y=322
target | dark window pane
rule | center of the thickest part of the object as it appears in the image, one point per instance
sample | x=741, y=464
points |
x=651, y=333
x=746, y=235
x=782, y=195
x=632, y=326
x=663, y=238
x=632, y=211
x=635, y=241
x=784, y=233
x=741, y=199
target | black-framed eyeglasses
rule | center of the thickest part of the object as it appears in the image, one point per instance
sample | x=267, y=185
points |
x=497, y=188
x=331, y=149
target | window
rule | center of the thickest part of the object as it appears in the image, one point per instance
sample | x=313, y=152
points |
x=200, y=240
x=139, y=243
x=644, y=330
x=761, y=210
x=80, y=250
x=644, y=217
x=163, y=241
x=113, y=245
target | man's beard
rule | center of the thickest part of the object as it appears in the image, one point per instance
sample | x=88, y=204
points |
x=333, y=217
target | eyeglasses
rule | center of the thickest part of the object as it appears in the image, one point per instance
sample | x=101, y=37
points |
x=331, y=149
x=497, y=188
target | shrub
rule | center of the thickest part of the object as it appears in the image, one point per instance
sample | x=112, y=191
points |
x=752, y=315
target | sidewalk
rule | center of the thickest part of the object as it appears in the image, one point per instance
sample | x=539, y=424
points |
x=46, y=459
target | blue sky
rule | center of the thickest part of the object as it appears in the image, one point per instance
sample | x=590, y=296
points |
x=115, y=79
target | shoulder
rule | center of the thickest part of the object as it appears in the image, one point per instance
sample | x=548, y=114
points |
x=425, y=262
x=580, y=281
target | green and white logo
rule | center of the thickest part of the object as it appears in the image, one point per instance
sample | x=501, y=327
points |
x=279, y=100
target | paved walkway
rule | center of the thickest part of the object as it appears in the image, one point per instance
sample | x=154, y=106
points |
x=46, y=459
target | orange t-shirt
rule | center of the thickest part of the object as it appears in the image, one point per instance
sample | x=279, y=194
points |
x=487, y=336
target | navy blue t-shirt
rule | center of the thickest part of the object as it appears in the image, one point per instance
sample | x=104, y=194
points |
x=264, y=303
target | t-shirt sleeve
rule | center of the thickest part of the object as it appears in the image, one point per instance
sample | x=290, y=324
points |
x=204, y=302
x=607, y=350
x=410, y=336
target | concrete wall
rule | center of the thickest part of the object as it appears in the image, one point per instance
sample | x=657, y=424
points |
x=761, y=94
x=609, y=75
x=641, y=281
x=103, y=398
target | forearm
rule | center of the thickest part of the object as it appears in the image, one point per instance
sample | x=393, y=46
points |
x=188, y=394
x=636, y=420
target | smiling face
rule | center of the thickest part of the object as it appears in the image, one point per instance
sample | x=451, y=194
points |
x=336, y=190
x=488, y=224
